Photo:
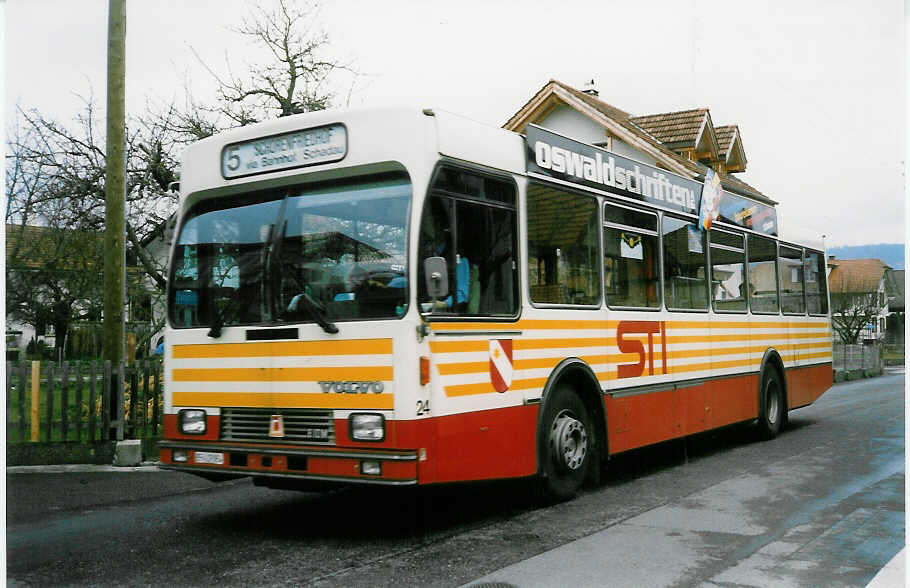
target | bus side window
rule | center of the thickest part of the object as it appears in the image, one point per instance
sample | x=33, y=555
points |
x=563, y=247
x=469, y=219
x=728, y=271
x=762, y=274
x=685, y=280
x=790, y=273
x=630, y=258
x=816, y=287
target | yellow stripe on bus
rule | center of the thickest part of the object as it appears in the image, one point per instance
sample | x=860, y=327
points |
x=283, y=349
x=528, y=324
x=285, y=400
x=735, y=337
x=556, y=324
x=315, y=374
x=477, y=367
x=748, y=324
x=487, y=387
x=462, y=346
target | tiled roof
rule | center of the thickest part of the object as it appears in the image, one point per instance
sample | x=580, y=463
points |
x=725, y=136
x=33, y=247
x=673, y=127
x=624, y=120
x=856, y=275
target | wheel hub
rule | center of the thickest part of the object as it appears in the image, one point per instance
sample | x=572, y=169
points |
x=569, y=441
x=773, y=399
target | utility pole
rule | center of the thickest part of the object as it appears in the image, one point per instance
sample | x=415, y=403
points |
x=114, y=184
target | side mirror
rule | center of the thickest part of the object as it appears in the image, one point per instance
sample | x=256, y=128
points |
x=437, y=277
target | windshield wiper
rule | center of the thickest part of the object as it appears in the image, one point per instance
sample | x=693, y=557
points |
x=314, y=309
x=219, y=317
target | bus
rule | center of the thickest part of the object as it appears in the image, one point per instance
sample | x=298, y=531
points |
x=407, y=297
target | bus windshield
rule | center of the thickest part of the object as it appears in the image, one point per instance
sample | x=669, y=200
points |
x=307, y=253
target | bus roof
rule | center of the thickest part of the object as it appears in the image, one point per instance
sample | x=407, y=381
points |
x=382, y=134
x=374, y=135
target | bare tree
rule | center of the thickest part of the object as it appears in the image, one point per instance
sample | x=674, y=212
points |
x=857, y=301
x=55, y=212
x=851, y=312
x=296, y=77
x=56, y=171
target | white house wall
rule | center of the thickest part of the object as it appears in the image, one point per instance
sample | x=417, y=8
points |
x=568, y=121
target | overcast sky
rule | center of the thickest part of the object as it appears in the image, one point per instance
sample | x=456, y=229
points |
x=817, y=87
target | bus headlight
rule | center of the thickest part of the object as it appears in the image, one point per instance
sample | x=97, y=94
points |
x=191, y=421
x=366, y=427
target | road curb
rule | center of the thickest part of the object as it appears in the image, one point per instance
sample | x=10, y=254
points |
x=82, y=469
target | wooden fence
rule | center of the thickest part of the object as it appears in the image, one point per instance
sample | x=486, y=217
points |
x=49, y=402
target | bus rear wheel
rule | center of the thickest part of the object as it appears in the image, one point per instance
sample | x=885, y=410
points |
x=568, y=443
x=771, y=410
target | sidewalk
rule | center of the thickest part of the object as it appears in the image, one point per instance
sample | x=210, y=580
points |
x=616, y=559
x=893, y=575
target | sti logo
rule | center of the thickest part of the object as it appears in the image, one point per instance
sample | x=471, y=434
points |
x=628, y=339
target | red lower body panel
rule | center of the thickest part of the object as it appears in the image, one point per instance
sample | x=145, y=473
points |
x=805, y=385
x=491, y=444
x=643, y=419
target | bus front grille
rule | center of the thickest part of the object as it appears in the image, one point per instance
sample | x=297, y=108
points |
x=304, y=426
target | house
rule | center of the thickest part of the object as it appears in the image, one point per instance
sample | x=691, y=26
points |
x=896, y=322
x=50, y=275
x=55, y=291
x=860, y=290
x=686, y=142
x=155, y=247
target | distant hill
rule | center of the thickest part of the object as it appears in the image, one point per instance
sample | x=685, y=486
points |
x=891, y=253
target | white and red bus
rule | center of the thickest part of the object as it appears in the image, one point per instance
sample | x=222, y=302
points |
x=404, y=296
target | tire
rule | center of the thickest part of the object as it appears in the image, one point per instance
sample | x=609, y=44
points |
x=567, y=440
x=772, y=405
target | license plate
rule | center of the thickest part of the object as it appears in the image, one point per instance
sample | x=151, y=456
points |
x=209, y=457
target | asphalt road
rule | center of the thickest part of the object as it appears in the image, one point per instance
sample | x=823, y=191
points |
x=823, y=504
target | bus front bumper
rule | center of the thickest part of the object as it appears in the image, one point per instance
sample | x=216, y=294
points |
x=317, y=464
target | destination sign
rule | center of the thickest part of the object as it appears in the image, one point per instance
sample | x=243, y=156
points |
x=285, y=151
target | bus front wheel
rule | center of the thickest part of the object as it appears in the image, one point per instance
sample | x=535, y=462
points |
x=772, y=409
x=567, y=445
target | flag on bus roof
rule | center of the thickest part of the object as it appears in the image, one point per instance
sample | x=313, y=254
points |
x=711, y=194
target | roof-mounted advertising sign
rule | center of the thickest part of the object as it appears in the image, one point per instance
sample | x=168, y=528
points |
x=561, y=158
x=738, y=210
x=565, y=159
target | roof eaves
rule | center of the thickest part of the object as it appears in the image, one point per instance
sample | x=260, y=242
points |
x=708, y=125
